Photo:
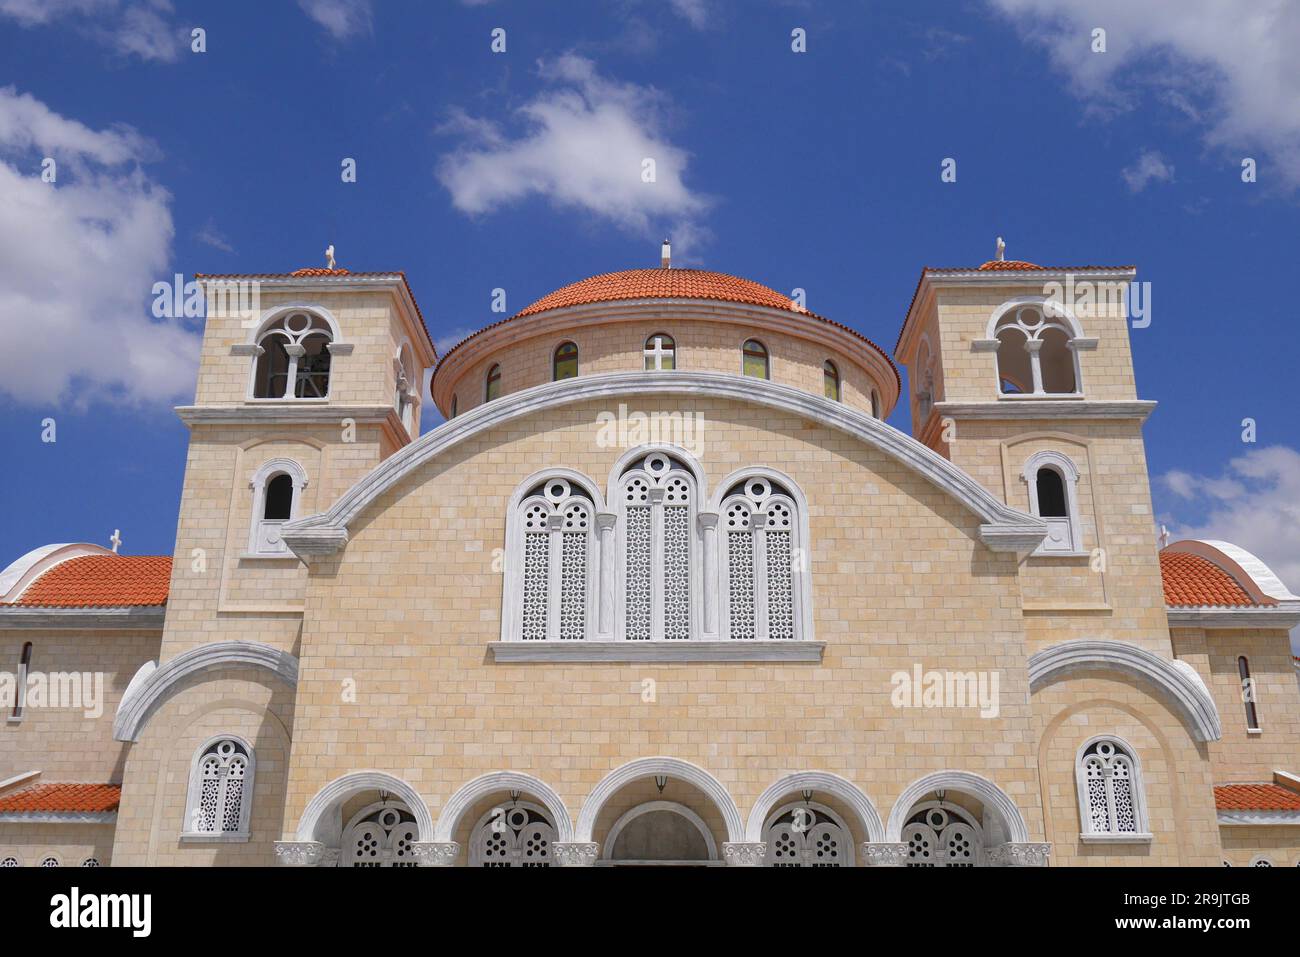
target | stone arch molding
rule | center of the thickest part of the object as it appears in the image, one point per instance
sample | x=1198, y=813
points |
x=989, y=794
x=1002, y=528
x=153, y=683
x=1176, y=681
x=816, y=781
x=316, y=825
x=675, y=768
x=488, y=784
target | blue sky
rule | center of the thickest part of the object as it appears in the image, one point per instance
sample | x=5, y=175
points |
x=818, y=170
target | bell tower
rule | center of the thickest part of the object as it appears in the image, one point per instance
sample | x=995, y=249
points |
x=1022, y=376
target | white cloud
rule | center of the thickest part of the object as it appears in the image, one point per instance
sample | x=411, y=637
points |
x=78, y=259
x=341, y=18
x=209, y=235
x=1228, y=66
x=1255, y=503
x=140, y=28
x=582, y=146
x=696, y=12
x=1150, y=167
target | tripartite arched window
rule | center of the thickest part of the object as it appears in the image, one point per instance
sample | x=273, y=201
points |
x=221, y=789
x=553, y=545
x=660, y=353
x=943, y=835
x=1052, y=480
x=293, y=358
x=762, y=561
x=1110, y=788
x=1248, y=693
x=564, y=364
x=380, y=836
x=830, y=381
x=518, y=835
x=656, y=499
x=754, y=359
x=492, y=384
x=1036, y=352
x=807, y=835
x=277, y=490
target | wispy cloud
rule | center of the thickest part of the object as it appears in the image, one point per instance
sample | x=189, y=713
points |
x=1227, y=66
x=582, y=143
x=78, y=260
x=340, y=18
x=210, y=236
x=140, y=28
x=1150, y=167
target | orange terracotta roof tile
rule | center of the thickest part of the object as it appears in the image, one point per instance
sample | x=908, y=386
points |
x=671, y=283
x=102, y=581
x=1256, y=797
x=318, y=271
x=1007, y=264
x=1193, y=581
x=62, y=798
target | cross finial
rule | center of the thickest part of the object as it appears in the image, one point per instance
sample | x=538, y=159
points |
x=116, y=540
x=1164, y=537
x=329, y=256
x=1002, y=249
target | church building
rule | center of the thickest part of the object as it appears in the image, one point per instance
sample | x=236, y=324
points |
x=665, y=587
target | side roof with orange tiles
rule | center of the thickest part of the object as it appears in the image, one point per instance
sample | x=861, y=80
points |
x=1255, y=797
x=62, y=799
x=1191, y=581
x=102, y=581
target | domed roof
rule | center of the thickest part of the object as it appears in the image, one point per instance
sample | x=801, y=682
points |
x=663, y=283
x=1007, y=264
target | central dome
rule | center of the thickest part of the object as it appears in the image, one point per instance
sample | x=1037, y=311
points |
x=663, y=283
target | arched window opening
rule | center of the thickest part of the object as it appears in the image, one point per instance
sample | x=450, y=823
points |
x=1051, y=494
x=380, y=837
x=807, y=835
x=875, y=404
x=564, y=364
x=754, y=359
x=50, y=861
x=660, y=353
x=10, y=862
x=279, y=498
x=943, y=835
x=277, y=488
x=293, y=360
x=762, y=561
x=221, y=789
x=660, y=832
x=455, y=407
x=1110, y=789
x=830, y=381
x=1248, y=693
x=519, y=834
x=492, y=384
x=554, y=528
x=1053, y=481
x=20, y=687
x=1036, y=354
x=924, y=381
x=406, y=389
x=656, y=498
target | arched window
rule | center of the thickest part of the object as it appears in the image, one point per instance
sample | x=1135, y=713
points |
x=762, y=561
x=1036, y=351
x=943, y=835
x=1248, y=693
x=1052, y=481
x=807, y=835
x=380, y=836
x=52, y=861
x=924, y=381
x=875, y=404
x=90, y=862
x=293, y=358
x=277, y=490
x=20, y=687
x=407, y=389
x=1110, y=789
x=656, y=500
x=10, y=862
x=520, y=835
x=754, y=359
x=660, y=353
x=564, y=364
x=1259, y=860
x=455, y=407
x=551, y=563
x=831, y=381
x=221, y=789
x=492, y=384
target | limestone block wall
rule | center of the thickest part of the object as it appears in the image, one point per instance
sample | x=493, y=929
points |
x=72, y=845
x=1279, y=845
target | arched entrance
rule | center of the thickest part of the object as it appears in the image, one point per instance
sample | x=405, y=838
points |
x=960, y=819
x=380, y=835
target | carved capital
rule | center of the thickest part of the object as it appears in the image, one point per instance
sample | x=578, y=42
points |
x=575, y=855
x=606, y=520
x=884, y=854
x=744, y=855
x=1019, y=855
x=432, y=854
x=707, y=520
